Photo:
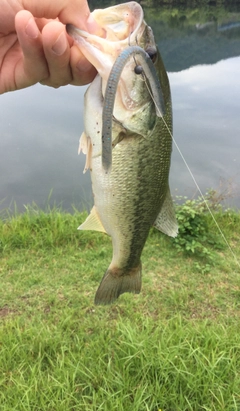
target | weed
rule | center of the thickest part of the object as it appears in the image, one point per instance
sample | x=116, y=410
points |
x=194, y=235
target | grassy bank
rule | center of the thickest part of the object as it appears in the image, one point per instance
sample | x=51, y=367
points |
x=174, y=347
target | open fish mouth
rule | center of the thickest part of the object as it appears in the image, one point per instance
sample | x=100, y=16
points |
x=122, y=26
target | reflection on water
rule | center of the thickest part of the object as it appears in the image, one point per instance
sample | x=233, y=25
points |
x=206, y=108
x=40, y=126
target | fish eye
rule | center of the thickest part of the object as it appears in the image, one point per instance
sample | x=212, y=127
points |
x=152, y=52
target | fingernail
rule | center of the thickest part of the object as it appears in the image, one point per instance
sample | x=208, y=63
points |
x=84, y=65
x=60, y=45
x=31, y=29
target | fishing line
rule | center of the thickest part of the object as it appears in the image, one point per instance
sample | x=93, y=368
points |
x=190, y=172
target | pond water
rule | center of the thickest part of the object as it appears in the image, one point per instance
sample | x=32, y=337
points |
x=40, y=126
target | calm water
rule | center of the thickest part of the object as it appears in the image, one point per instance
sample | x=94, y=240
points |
x=40, y=126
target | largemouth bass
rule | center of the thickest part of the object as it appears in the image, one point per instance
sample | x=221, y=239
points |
x=134, y=193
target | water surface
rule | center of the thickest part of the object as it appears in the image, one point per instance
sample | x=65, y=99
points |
x=40, y=126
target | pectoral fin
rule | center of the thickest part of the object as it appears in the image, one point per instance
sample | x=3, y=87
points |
x=166, y=219
x=85, y=145
x=92, y=222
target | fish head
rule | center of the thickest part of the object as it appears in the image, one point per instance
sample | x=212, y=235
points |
x=121, y=26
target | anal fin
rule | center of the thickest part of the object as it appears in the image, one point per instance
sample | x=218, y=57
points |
x=93, y=222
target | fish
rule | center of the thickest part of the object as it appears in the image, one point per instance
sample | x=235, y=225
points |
x=131, y=194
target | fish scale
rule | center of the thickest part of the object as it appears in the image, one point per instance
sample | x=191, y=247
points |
x=149, y=72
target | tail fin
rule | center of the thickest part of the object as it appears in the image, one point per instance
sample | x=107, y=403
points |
x=116, y=282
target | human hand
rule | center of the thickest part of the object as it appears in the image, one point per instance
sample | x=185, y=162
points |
x=34, y=45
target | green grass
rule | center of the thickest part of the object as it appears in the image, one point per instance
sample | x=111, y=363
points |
x=174, y=347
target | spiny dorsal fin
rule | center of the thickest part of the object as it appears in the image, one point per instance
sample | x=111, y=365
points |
x=166, y=219
x=93, y=222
